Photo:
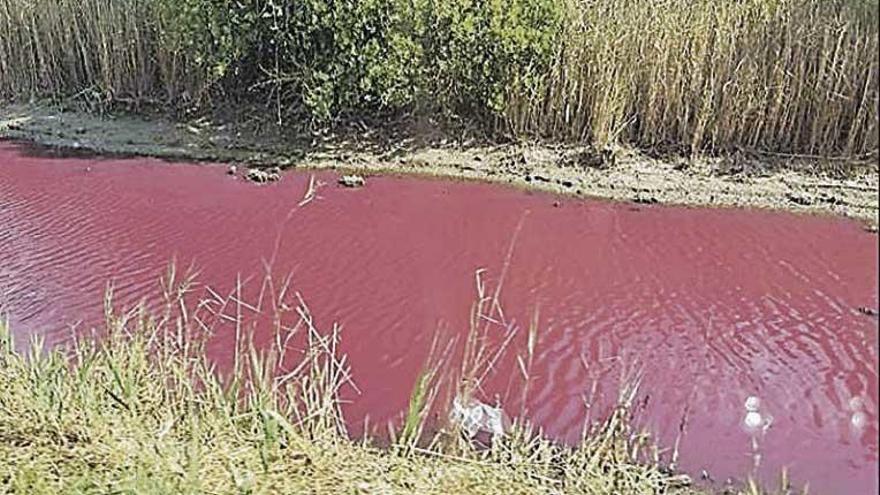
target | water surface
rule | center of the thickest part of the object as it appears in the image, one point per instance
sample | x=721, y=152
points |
x=716, y=305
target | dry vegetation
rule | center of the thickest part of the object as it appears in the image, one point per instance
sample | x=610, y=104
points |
x=792, y=75
x=781, y=76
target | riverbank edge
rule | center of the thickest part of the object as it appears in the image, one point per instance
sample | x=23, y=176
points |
x=122, y=414
x=798, y=184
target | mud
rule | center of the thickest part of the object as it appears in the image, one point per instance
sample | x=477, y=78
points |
x=771, y=181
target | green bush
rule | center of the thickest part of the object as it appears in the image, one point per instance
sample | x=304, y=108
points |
x=334, y=58
x=480, y=51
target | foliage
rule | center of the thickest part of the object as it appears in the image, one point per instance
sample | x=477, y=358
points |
x=327, y=58
x=784, y=76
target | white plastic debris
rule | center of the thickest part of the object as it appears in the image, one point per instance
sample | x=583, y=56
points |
x=856, y=404
x=754, y=421
x=859, y=418
x=474, y=417
x=753, y=403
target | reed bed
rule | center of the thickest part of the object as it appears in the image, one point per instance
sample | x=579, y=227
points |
x=99, y=53
x=795, y=76
x=778, y=76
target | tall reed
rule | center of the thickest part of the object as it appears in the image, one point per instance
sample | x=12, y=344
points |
x=100, y=51
x=797, y=76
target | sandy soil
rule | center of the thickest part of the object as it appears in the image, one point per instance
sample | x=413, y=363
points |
x=798, y=184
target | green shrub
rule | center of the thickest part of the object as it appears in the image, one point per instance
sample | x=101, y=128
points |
x=332, y=58
x=321, y=58
x=478, y=52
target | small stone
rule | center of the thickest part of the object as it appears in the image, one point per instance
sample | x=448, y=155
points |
x=645, y=199
x=262, y=176
x=232, y=170
x=352, y=181
x=800, y=199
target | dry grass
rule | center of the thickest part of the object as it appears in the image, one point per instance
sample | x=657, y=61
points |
x=797, y=76
x=140, y=409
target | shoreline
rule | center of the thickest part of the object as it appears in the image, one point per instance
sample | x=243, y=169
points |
x=794, y=184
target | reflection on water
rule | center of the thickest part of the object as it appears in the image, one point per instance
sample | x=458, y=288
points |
x=746, y=323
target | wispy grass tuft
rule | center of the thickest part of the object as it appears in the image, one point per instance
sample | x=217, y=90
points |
x=140, y=409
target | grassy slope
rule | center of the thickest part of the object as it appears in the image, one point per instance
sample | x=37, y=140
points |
x=141, y=411
x=124, y=417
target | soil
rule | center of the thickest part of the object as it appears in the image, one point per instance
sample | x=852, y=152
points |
x=774, y=181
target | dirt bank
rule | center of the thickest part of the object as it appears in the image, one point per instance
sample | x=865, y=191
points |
x=801, y=184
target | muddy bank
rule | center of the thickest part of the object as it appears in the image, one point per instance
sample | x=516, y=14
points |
x=800, y=184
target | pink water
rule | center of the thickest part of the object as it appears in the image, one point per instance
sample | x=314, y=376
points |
x=717, y=305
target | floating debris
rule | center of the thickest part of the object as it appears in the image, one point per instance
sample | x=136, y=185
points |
x=753, y=403
x=754, y=421
x=475, y=417
x=352, y=181
x=873, y=313
x=856, y=404
x=859, y=418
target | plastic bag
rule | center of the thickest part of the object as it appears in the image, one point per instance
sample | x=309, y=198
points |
x=474, y=417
